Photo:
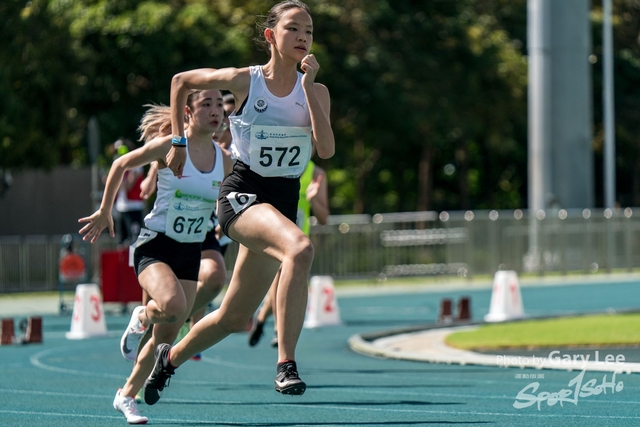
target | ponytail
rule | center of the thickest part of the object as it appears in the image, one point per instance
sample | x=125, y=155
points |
x=155, y=122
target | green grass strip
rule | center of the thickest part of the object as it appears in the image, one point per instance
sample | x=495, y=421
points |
x=580, y=331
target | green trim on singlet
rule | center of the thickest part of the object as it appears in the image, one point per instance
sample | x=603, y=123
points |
x=304, y=207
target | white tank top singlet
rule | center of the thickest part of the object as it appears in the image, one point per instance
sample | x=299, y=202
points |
x=183, y=206
x=272, y=134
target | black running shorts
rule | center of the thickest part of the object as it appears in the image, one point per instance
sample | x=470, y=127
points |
x=243, y=188
x=183, y=258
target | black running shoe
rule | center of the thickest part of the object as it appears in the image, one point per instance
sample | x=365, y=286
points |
x=256, y=333
x=160, y=375
x=288, y=381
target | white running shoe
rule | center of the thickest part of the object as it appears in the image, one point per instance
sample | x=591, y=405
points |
x=132, y=335
x=127, y=405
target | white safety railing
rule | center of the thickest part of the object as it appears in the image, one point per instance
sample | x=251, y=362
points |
x=464, y=244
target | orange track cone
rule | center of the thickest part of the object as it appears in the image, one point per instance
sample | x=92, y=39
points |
x=445, y=315
x=7, y=332
x=34, y=330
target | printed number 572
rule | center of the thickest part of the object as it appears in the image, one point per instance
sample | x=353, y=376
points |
x=266, y=158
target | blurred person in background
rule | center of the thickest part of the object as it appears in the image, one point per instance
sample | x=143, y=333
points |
x=129, y=203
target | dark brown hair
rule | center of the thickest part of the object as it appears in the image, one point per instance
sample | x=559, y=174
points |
x=273, y=17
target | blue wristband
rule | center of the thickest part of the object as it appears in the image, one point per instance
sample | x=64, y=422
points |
x=179, y=141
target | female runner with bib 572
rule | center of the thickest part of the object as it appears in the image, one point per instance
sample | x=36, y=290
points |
x=281, y=114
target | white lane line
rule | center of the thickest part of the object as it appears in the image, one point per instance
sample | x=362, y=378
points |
x=35, y=361
x=219, y=402
x=59, y=414
x=54, y=393
x=468, y=396
x=340, y=407
x=243, y=366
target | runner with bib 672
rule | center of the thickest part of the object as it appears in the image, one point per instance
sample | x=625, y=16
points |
x=167, y=251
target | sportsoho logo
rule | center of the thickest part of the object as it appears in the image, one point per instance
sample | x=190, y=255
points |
x=576, y=388
x=579, y=387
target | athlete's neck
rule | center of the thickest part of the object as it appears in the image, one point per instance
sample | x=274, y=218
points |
x=280, y=71
x=198, y=138
x=280, y=80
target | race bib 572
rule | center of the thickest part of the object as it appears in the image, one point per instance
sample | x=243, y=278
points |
x=279, y=150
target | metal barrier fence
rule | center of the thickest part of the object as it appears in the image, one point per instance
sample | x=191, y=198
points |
x=478, y=243
x=403, y=244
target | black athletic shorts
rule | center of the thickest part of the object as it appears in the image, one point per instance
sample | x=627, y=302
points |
x=243, y=188
x=183, y=258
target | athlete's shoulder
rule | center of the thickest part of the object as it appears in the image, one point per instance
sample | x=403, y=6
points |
x=321, y=87
x=235, y=73
x=237, y=78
